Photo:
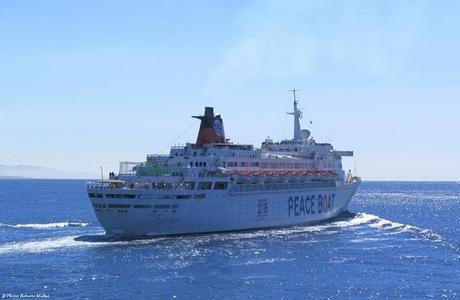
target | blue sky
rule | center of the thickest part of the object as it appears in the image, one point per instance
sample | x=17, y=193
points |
x=90, y=83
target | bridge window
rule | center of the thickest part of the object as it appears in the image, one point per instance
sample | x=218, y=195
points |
x=205, y=185
x=220, y=185
x=188, y=185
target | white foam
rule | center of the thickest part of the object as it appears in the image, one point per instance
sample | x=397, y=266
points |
x=420, y=233
x=266, y=261
x=38, y=246
x=61, y=243
x=358, y=220
x=323, y=229
x=368, y=239
x=46, y=225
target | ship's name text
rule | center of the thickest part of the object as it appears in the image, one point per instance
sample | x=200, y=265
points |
x=310, y=205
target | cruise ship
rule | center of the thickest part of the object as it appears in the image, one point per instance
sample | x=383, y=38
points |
x=214, y=185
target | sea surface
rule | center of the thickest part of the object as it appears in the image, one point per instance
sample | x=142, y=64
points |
x=399, y=240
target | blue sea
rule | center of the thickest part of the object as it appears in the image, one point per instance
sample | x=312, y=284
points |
x=399, y=240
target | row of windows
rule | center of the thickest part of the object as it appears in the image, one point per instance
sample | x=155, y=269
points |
x=275, y=165
x=204, y=185
x=130, y=196
x=217, y=185
x=98, y=195
x=128, y=206
x=198, y=164
x=187, y=185
x=188, y=196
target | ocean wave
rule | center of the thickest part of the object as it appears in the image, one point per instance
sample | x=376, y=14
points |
x=46, y=225
x=420, y=233
x=265, y=261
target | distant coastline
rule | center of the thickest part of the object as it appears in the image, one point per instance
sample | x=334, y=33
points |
x=37, y=178
x=38, y=172
x=13, y=177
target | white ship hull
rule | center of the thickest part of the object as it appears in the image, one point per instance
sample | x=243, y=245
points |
x=146, y=212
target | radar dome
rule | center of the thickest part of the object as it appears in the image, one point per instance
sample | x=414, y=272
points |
x=305, y=133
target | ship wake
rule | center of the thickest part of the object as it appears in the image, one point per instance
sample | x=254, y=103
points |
x=364, y=224
x=394, y=228
x=46, y=225
x=67, y=242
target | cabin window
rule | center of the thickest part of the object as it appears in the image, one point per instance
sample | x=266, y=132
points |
x=199, y=196
x=95, y=195
x=184, y=196
x=191, y=164
x=120, y=196
x=243, y=164
x=205, y=185
x=119, y=206
x=142, y=206
x=254, y=164
x=204, y=164
x=220, y=185
x=162, y=206
x=232, y=164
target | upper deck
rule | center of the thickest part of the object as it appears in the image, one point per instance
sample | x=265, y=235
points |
x=214, y=155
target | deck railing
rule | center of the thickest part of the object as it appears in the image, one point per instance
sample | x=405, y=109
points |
x=248, y=188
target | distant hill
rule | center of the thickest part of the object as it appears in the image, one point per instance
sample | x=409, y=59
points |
x=25, y=171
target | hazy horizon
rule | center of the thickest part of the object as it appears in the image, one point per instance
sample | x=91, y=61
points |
x=88, y=84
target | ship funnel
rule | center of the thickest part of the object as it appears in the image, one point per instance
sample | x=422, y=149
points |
x=211, y=128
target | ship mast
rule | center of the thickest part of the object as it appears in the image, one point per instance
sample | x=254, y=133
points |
x=297, y=113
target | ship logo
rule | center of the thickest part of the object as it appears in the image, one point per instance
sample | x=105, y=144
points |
x=218, y=128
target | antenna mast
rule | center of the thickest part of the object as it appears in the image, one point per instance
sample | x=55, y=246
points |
x=297, y=115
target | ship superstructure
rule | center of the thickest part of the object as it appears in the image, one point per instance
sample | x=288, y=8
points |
x=213, y=185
